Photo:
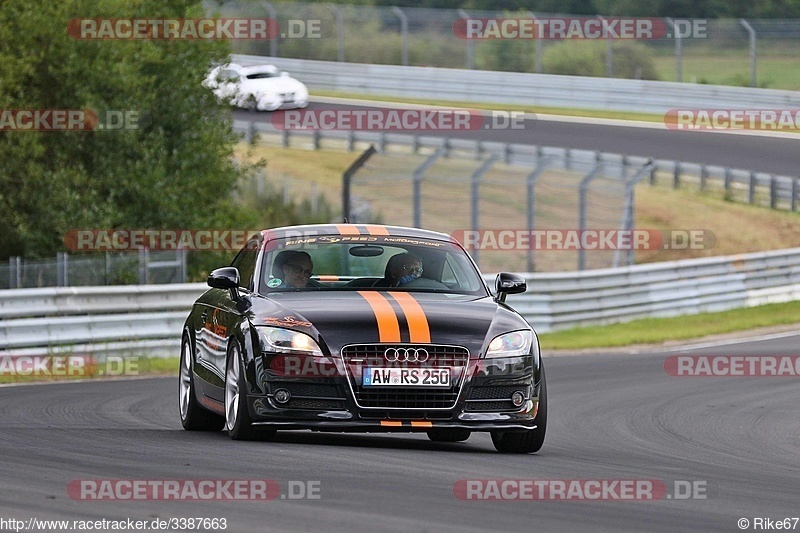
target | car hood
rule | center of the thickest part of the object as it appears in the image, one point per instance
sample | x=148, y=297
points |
x=282, y=84
x=341, y=318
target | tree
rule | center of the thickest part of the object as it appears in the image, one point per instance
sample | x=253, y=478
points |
x=175, y=170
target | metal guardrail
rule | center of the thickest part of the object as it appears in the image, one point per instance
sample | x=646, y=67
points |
x=544, y=90
x=128, y=319
x=97, y=319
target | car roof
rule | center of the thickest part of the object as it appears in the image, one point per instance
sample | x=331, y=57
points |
x=253, y=69
x=354, y=230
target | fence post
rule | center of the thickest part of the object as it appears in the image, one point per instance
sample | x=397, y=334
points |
x=416, y=195
x=144, y=265
x=752, y=192
x=403, y=33
x=728, y=177
x=773, y=192
x=678, y=50
x=752, y=33
x=15, y=272
x=337, y=14
x=273, y=40
x=794, y=194
x=108, y=268
x=703, y=177
x=470, y=43
x=182, y=261
x=347, y=178
x=475, y=192
x=530, y=207
x=62, y=279
x=676, y=178
x=584, y=185
x=250, y=134
x=609, y=54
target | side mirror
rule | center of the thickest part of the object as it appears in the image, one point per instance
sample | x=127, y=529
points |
x=507, y=283
x=224, y=278
x=228, y=278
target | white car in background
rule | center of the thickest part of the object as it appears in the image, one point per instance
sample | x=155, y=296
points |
x=261, y=87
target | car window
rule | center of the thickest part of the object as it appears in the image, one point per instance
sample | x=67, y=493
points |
x=228, y=75
x=245, y=262
x=340, y=263
x=262, y=75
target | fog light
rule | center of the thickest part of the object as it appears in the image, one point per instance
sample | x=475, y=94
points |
x=518, y=398
x=282, y=395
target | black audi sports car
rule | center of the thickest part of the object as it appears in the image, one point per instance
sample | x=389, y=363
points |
x=364, y=328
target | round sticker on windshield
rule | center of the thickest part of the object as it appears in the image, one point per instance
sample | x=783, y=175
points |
x=274, y=282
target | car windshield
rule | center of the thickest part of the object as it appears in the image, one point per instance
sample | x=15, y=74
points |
x=341, y=263
x=262, y=75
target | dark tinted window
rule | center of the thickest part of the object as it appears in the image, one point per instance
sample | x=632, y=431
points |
x=245, y=261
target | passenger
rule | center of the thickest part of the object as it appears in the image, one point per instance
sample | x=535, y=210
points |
x=401, y=269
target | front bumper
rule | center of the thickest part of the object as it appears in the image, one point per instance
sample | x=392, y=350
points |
x=327, y=403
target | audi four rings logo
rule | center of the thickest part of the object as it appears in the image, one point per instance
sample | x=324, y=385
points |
x=417, y=355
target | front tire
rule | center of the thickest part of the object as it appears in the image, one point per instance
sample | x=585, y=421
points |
x=193, y=416
x=237, y=418
x=528, y=441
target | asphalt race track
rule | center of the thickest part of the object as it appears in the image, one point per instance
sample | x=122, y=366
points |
x=776, y=155
x=612, y=417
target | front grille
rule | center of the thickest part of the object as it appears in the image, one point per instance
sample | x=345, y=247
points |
x=358, y=357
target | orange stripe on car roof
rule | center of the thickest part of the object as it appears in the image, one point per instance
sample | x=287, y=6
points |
x=347, y=229
x=388, y=326
x=418, y=328
x=376, y=230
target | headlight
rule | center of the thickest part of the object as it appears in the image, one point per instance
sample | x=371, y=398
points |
x=511, y=344
x=287, y=341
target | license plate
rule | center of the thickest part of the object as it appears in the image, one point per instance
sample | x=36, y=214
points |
x=406, y=377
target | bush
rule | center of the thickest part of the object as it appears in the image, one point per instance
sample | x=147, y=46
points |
x=588, y=58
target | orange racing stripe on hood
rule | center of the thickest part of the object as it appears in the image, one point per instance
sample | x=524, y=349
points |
x=418, y=328
x=388, y=326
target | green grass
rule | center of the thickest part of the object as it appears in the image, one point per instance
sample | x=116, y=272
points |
x=773, y=72
x=564, y=111
x=658, y=330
